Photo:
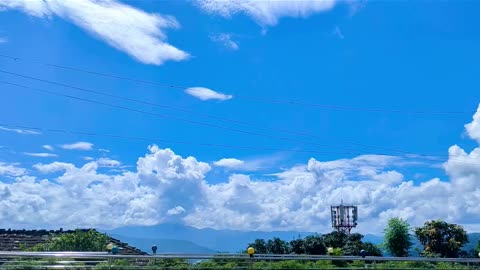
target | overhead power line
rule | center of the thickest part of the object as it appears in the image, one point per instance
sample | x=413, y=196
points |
x=175, y=118
x=157, y=140
x=195, y=113
x=261, y=99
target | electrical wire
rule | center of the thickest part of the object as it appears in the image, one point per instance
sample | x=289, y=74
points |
x=262, y=99
x=194, y=113
x=175, y=118
x=156, y=140
x=150, y=140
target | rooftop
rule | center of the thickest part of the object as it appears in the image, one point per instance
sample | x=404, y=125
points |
x=16, y=240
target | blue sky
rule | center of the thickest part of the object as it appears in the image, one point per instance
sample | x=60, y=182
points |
x=366, y=65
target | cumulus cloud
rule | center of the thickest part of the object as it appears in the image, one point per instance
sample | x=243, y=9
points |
x=11, y=169
x=175, y=211
x=225, y=40
x=203, y=93
x=131, y=30
x=53, y=167
x=48, y=147
x=163, y=182
x=106, y=162
x=40, y=154
x=21, y=131
x=167, y=186
x=250, y=164
x=473, y=128
x=266, y=13
x=230, y=163
x=78, y=146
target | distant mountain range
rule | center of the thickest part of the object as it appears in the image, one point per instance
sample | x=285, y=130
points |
x=193, y=240
x=164, y=245
x=177, y=238
x=473, y=239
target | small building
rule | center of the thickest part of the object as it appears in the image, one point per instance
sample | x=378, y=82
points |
x=18, y=240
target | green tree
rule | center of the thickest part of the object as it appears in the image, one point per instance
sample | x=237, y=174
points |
x=259, y=245
x=397, y=239
x=297, y=246
x=442, y=239
x=80, y=240
x=371, y=249
x=277, y=246
x=353, y=245
x=314, y=245
x=335, y=239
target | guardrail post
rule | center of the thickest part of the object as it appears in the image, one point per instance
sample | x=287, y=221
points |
x=374, y=264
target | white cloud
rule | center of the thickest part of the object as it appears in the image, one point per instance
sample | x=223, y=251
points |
x=136, y=32
x=20, y=131
x=48, y=147
x=225, y=40
x=203, y=93
x=106, y=162
x=78, y=146
x=266, y=13
x=53, y=167
x=166, y=185
x=81, y=196
x=104, y=150
x=250, y=164
x=3, y=40
x=230, y=163
x=175, y=211
x=40, y=154
x=473, y=128
x=298, y=198
x=11, y=170
x=88, y=158
x=33, y=8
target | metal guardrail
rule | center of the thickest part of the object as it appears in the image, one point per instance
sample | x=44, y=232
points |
x=88, y=260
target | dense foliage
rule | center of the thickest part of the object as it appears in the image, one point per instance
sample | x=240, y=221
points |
x=441, y=239
x=350, y=245
x=79, y=240
x=397, y=240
